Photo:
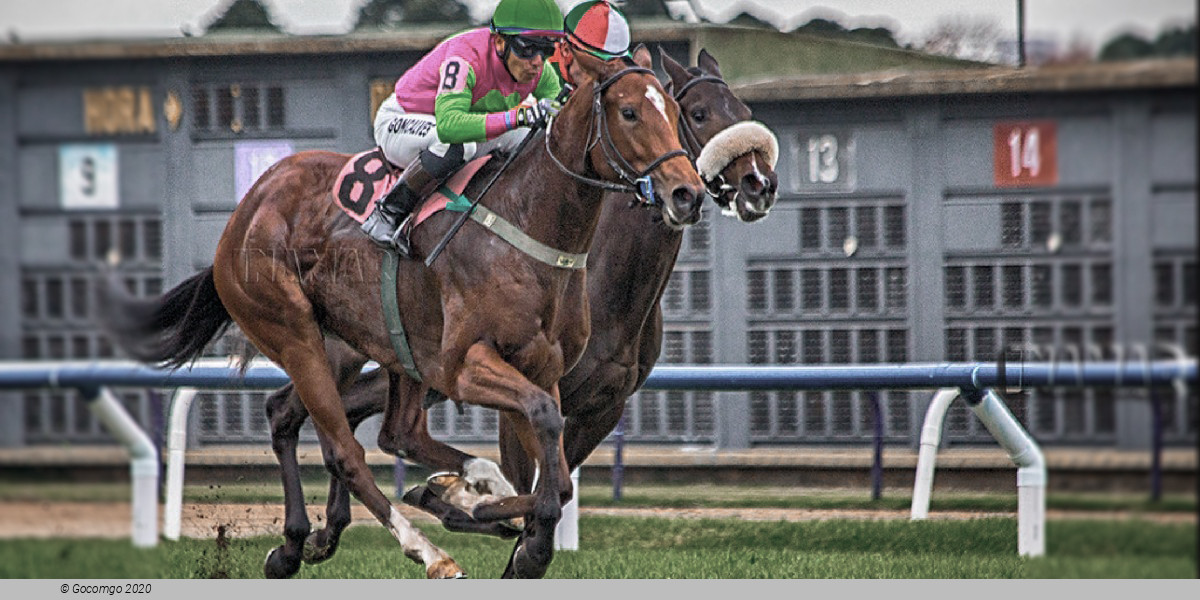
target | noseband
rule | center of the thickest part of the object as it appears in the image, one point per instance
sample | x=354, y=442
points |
x=637, y=183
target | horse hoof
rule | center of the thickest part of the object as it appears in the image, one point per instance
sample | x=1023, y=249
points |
x=516, y=524
x=314, y=553
x=438, y=483
x=277, y=567
x=445, y=569
x=525, y=567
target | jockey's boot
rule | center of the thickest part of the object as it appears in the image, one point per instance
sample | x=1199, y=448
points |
x=385, y=225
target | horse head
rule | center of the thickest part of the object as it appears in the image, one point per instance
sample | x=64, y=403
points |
x=632, y=137
x=735, y=156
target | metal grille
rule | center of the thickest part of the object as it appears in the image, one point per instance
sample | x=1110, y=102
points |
x=474, y=424
x=675, y=416
x=1174, y=333
x=237, y=107
x=58, y=316
x=842, y=300
x=1046, y=292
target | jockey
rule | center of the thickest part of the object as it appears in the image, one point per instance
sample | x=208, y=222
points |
x=595, y=27
x=462, y=99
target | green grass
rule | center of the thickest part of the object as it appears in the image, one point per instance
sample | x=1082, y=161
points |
x=659, y=496
x=653, y=548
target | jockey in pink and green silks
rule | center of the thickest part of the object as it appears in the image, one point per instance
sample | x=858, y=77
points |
x=478, y=91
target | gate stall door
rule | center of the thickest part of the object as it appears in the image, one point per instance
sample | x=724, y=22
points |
x=83, y=203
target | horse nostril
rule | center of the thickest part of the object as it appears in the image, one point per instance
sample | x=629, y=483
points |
x=755, y=185
x=683, y=195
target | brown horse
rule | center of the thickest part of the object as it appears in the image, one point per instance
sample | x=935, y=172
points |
x=626, y=318
x=488, y=324
x=629, y=267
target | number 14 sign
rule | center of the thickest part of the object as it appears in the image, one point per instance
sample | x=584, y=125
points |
x=1025, y=154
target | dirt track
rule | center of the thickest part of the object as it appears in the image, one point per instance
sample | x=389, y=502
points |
x=112, y=519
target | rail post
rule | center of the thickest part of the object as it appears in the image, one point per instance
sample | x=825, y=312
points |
x=143, y=464
x=181, y=404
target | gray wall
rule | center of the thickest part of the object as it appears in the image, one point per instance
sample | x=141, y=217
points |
x=914, y=190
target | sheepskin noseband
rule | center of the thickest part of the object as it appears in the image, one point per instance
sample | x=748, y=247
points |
x=734, y=141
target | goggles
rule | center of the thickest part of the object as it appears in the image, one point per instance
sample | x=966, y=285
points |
x=525, y=48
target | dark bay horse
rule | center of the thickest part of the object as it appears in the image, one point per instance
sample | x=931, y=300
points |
x=628, y=268
x=488, y=324
x=631, y=259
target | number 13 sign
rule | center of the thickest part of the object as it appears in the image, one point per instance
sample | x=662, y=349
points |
x=1025, y=154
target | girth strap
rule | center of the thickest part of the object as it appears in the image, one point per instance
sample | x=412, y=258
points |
x=521, y=241
x=391, y=314
x=512, y=234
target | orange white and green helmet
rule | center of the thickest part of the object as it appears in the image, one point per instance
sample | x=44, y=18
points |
x=529, y=18
x=598, y=28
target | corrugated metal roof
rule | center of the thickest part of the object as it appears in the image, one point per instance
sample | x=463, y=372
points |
x=1150, y=74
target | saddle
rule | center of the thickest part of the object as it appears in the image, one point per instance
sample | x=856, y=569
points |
x=368, y=176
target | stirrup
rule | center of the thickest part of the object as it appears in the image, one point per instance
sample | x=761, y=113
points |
x=380, y=227
x=399, y=239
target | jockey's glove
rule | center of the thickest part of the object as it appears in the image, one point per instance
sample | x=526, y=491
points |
x=537, y=113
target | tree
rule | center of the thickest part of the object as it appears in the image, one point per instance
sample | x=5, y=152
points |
x=380, y=14
x=971, y=38
x=1177, y=41
x=1078, y=51
x=821, y=27
x=437, y=11
x=748, y=20
x=390, y=14
x=242, y=15
x=1127, y=46
x=643, y=8
x=879, y=36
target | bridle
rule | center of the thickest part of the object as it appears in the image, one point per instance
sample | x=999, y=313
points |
x=685, y=129
x=689, y=137
x=635, y=182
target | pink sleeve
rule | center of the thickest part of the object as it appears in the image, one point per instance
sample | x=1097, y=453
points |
x=500, y=122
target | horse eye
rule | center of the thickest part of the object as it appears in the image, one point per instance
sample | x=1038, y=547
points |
x=628, y=114
x=698, y=115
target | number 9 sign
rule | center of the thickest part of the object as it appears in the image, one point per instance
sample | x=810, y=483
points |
x=87, y=176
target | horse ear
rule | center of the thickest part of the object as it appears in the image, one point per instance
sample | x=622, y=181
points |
x=708, y=64
x=592, y=67
x=641, y=56
x=675, y=71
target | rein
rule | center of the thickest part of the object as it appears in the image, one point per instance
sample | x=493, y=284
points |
x=637, y=183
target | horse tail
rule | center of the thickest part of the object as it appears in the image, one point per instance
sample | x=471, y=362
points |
x=171, y=330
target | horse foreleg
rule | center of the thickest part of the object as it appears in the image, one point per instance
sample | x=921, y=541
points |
x=584, y=433
x=467, y=480
x=486, y=379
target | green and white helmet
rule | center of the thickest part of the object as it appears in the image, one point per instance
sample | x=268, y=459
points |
x=599, y=29
x=535, y=18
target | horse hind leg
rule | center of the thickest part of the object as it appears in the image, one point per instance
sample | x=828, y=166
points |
x=321, y=544
x=361, y=398
x=286, y=415
x=349, y=460
x=278, y=319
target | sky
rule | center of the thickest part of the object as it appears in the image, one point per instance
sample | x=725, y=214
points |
x=1062, y=20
